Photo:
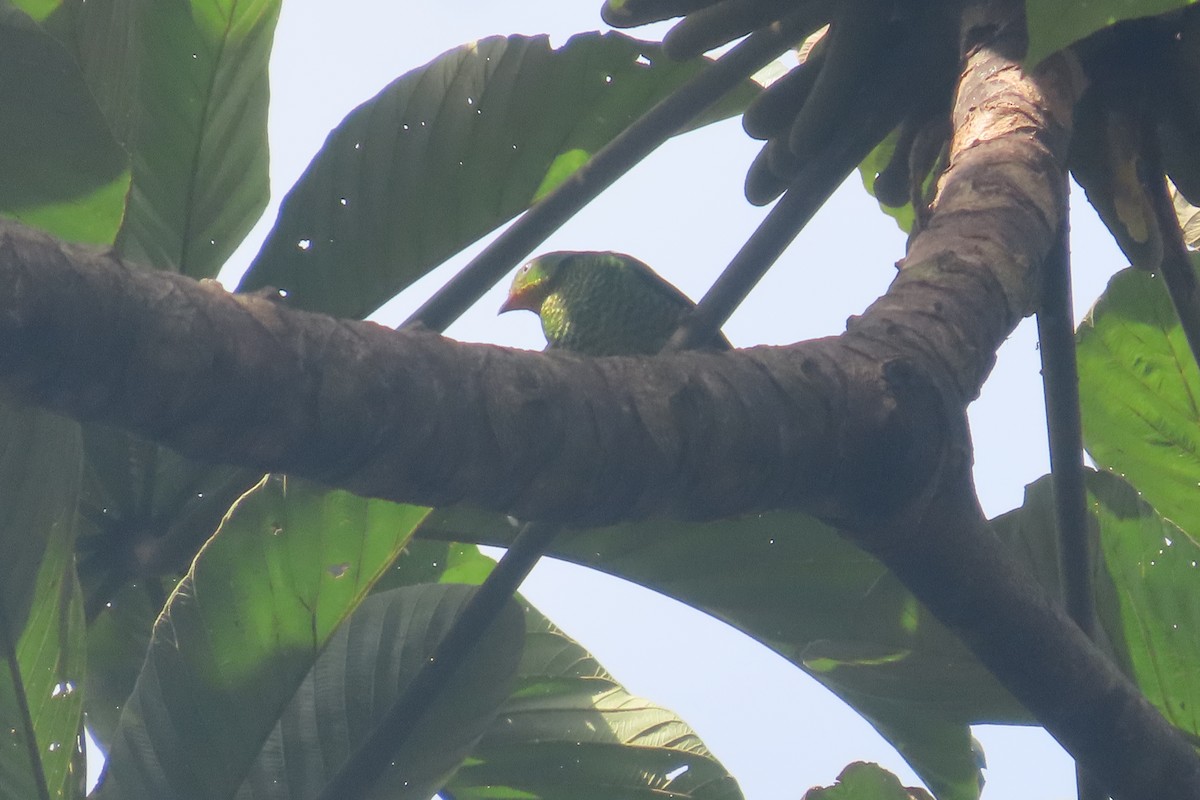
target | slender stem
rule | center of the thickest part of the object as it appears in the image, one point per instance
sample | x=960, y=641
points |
x=808, y=192
x=1060, y=381
x=632, y=145
x=8, y=654
x=366, y=764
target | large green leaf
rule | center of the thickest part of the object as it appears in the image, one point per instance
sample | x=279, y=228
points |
x=1054, y=24
x=103, y=35
x=1140, y=395
x=41, y=630
x=1154, y=569
x=570, y=730
x=52, y=656
x=861, y=781
x=37, y=9
x=831, y=609
x=62, y=170
x=870, y=168
x=198, y=137
x=145, y=513
x=366, y=666
x=449, y=151
x=241, y=631
x=119, y=637
x=147, y=510
x=1031, y=531
x=117, y=641
x=1145, y=587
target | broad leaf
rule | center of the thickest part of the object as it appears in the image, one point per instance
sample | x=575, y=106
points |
x=41, y=630
x=117, y=641
x=119, y=637
x=199, y=99
x=861, y=781
x=147, y=510
x=1140, y=395
x=425, y=561
x=242, y=630
x=448, y=152
x=145, y=513
x=1054, y=24
x=1032, y=533
x=875, y=163
x=51, y=657
x=570, y=730
x=1154, y=568
x=37, y=9
x=1144, y=584
x=104, y=37
x=823, y=604
x=364, y=669
x=63, y=171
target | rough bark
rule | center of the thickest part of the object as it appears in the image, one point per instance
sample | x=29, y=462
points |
x=865, y=429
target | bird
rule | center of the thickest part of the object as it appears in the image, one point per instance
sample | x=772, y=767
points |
x=601, y=303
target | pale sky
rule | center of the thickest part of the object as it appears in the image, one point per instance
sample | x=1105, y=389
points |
x=774, y=728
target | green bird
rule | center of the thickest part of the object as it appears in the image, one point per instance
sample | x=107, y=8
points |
x=602, y=304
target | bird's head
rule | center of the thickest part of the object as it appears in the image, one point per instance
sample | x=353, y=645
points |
x=533, y=282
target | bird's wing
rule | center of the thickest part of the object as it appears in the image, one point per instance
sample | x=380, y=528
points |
x=667, y=290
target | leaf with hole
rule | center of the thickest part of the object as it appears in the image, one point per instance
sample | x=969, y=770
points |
x=63, y=170
x=242, y=630
x=41, y=616
x=448, y=152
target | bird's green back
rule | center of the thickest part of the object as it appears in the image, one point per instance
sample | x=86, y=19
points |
x=610, y=304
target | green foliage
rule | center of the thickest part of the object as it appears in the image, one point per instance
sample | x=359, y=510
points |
x=1153, y=567
x=448, y=152
x=363, y=669
x=1145, y=586
x=1054, y=24
x=570, y=730
x=241, y=631
x=807, y=593
x=861, y=781
x=183, y=85
x=1139, y=390
x=41, y=620
x=869, y=171
x=63, y=170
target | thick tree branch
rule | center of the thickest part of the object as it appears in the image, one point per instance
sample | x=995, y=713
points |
x=952, y=561
x=414, y=417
